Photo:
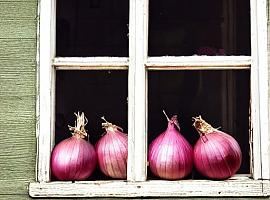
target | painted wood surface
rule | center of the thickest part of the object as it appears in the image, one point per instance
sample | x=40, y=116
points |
x=17, y=29
x=46, y=87
x=26, y=197
x=199, y=62
x=17, y=97
x=17, y=126
x=263, y=85
x=156, y=188
x=18, y=10
x=136, y=92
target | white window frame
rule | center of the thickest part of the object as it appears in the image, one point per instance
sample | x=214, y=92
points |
x=138, y=64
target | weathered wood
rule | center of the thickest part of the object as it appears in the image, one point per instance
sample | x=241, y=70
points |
x=15, y=1
x=13, y=187
x=18, y=10
x=21, y=65
x=199, y=62
x=46, y=88
x=17, y=144
x=17, y=97
x=196, y=67
x=185, y=188
x=266, y=188
x=18, y=29
x=263, y=81
x=26, y=197
x=137, y=139
x=12, y=197
x=17, y=78
x=17, y=49
x=12, y=85
x=90, y=63
x=256, y=109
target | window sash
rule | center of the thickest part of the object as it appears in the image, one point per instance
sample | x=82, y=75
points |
x=138, y=85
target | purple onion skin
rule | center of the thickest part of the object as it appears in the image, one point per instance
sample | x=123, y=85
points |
x=73, y=159
x=217, y=155
x=112, y=152
x=170, y=155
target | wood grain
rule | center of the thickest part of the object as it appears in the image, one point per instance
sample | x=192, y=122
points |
x=198, y=62
x=18, y=29
x=17, y=49
x=18, y=10
x=184, y=188
x=17, y=97
x=26, y=197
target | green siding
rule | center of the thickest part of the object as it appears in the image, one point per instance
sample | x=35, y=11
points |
x=12, y=10
x=17, y=29
x=15, y=50
x=18, y=25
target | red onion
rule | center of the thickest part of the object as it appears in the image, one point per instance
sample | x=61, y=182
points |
x=112, y=151
x=170, y=155
x=217, y=155
x=74, y=158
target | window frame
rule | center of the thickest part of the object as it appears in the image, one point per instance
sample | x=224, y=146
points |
x=138, y=63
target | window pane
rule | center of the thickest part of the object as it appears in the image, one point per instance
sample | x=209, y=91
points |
x=220, y=97
x=97, y=94
x=208, y=27
x=92, y=28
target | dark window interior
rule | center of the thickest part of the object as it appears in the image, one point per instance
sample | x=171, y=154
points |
x=208, y=27
x=92, y=28
x=220, y=97
x=97, y=94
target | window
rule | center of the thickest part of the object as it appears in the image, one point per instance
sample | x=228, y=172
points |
x=151, y=48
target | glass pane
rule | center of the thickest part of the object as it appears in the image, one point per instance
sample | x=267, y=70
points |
x=190, y=27
x=97, y=94
x=92, y=28
x=220, y=97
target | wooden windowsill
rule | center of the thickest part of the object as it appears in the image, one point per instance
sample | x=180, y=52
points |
x=240, y=187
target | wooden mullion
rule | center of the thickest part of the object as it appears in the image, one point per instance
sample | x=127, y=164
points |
x=137, y=140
